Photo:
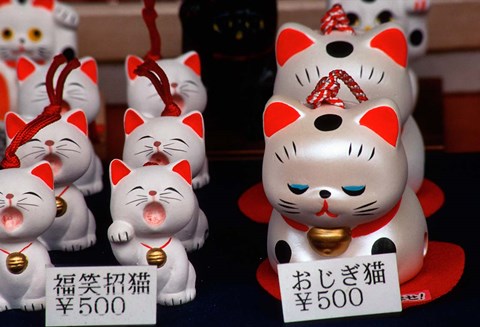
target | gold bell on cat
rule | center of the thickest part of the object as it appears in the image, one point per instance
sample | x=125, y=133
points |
x=61, y=206
x=156, y=257
x=329, y=242
x=17, y=262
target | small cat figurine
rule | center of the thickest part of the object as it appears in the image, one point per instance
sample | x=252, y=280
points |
x=337, y=182
x=65, y=145
x=410, y=14
x=149, y=206
x=166, y=139
x=184, y=74
x=376, y=59
x=81, y=90
x=38, y=29
x=27, y=208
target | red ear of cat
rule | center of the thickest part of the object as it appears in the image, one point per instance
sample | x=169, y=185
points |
x=89, y=67
x=78, y=119
x=193, y=62
x=47, y=4
x=384, y=122
x=290, y=42
x=44, y=172
x=132, y=63
x=25, y=68
x=118, y=170
x=195, y=121
x=131, y=120
x=13, y=124
x=392, y=41
x=183, y=169
x=277, y=116
x=5, y=2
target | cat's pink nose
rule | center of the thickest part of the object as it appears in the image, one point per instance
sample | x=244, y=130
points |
x=9, y=196
x=152, y=193
x=174, y=85
x=49, y=143
x=157, y=143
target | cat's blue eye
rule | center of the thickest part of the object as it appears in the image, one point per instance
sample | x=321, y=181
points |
x=298, y=188
x=353, y=190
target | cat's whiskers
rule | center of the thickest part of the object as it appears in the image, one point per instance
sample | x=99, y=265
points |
x=174, y=149
x=149, y=151
x=142, y=199
x=41, y=151
x=365, y=205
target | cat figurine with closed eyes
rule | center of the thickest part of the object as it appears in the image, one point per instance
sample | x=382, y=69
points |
x=377, y=60
x=27, y=209
x=337, y=181
x=167, y=139
x=65, y=145
x=186, y=86
x=81, y=90
x=150, y=206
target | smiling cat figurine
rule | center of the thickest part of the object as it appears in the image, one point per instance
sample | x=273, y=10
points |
x=150, y=206
x=336, y=179
x=27, y=209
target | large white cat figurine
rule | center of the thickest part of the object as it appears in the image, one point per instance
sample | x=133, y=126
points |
x=377, y=60
x=81, y=90
x=65, y=145
x=186, y=86
x=149, y=206
x=337, y=182
x=27, y=209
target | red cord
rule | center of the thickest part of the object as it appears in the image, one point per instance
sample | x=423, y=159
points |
x=149, y=17
x=335, y=19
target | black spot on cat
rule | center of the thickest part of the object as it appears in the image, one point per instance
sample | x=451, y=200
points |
x=328, y=122
x=339, y=49
x=69, y=53
x=369, y=0
x=283, y=252
x=383, y=245
x=416, y=37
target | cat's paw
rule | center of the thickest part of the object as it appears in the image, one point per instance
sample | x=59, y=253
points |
x=200, y=180
x=195, y=243
x=179, y=298
x=4, y=306
x=120, y=232
x=78, y=245
x=33, y=305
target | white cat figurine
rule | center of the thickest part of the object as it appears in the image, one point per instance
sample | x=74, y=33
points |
x=329, y=171
x=65, y=145
x=149, y=206
x=81, y=90
x=27, y=209
x=186, y=86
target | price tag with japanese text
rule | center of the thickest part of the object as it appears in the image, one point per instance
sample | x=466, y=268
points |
x=117, y=295
x=339, y=287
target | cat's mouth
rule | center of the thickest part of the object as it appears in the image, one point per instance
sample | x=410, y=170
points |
x=55, y=162
x=65, y=107
x=178, y=99
x=325, y=211
x=154, y=214
x=159, y=158
x=12, y=219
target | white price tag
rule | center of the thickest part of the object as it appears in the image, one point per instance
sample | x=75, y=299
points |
x=339, y=287
x=117, y=295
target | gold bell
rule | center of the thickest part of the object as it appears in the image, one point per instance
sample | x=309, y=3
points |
x=329, y=242
x=17, y=262
x=61, y=206
x=156, y=257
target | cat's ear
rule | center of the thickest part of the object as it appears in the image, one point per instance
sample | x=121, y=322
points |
x=417, y=6
x=5, y=2
x=118, y=170
x=278, y=114
x=78, y=119
x=13, y=124
x=43, y=170
x=131, y=120
x=131, y=63
x=25, y=68
x=391, y=40
x=191, y=59
x=291, y=39
x=383, y=119
x=194, y=120
x=47, y=4
x=183, y=169
x=89, y=67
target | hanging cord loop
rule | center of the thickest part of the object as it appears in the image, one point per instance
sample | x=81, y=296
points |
x=150, y=69
x=149, y=17
x=335, y=19
x=49, y=115
x=327, y=89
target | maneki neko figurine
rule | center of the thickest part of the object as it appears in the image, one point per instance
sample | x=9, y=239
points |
x=336, y=175
x=184, y=74
x=149, y=206
x=62, y=140
x=27, y=208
